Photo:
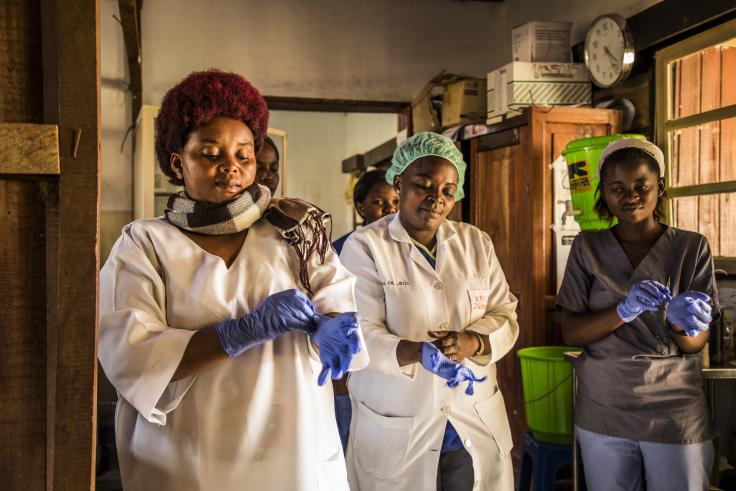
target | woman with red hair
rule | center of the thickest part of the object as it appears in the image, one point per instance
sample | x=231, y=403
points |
x=220, y=322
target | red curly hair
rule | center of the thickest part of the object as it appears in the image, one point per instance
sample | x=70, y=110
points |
x=198, y=99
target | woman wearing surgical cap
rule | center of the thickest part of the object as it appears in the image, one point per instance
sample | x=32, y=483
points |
x=221, y=321
x=437, y=314
x=637, y=298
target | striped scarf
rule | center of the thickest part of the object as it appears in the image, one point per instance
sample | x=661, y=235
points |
x=225, y=218
x=300, y=223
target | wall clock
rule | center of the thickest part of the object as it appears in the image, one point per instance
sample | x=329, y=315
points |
x=609, y=50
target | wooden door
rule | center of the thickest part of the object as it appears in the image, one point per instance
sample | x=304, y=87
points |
x=551, y=131
x=499, y=205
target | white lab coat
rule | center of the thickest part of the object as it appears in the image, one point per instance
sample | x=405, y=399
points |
x=255, y=421
x=400, y=414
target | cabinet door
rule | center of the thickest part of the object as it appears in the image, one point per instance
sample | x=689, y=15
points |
x=550, y=133
x=499, y=205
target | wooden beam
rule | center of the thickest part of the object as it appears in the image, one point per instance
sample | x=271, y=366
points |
x=380, y=154
x=353, y=164
x=29, y=149
x=334, y=105
x=76, y=258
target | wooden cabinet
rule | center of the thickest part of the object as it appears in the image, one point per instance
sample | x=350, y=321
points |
x=510, y=198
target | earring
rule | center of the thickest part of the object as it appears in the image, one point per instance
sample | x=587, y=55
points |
x=178, y=175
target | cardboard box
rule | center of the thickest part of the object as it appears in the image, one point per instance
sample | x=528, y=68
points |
x=423, y=115
x=542, y=42
x=521, y=84
x=464, y=102
x=425, y=109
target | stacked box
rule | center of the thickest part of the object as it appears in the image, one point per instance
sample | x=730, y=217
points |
x=542, y=42
x=521, y=84
x=464, y=102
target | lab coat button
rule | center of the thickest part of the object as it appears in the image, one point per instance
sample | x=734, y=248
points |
x=444, y=326
x=445, y=409
x=438, y=286
x=468, y=443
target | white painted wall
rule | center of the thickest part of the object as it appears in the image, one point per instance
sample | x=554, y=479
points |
x=116, y=196
x=317, y=144
x=580, y=12
x=352, y=49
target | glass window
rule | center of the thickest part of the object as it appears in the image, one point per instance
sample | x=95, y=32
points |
x=696, y=127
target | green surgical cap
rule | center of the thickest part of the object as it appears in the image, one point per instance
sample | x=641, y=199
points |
x=427, y=144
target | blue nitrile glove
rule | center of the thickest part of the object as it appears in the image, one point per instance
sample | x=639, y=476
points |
x=691, y=311
x=279, y=313
x=434, y=361
x=337, y=339
x=644, y=295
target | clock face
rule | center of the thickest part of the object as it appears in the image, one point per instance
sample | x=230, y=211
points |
x=609, y=53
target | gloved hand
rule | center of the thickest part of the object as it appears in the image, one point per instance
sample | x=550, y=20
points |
x=434, y=361
x=337, y=339
x=644, y=295
x=691, y=311
x=279, y=313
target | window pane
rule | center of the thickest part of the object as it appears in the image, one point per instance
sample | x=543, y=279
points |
x=703, y=154
x=703, y=81
x=713, y=216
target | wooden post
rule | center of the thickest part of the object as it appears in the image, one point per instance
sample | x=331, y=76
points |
x=72, y=97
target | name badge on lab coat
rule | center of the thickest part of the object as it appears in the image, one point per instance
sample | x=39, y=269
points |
x=478, y=302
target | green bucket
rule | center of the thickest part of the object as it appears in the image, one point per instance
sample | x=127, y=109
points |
x=547, y=382
x=582, y=168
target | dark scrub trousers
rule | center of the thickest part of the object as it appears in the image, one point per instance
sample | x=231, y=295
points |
x=635, y=384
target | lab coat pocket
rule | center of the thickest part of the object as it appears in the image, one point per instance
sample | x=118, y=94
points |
x=381, y=442
x=478, y=303
x=492, y=412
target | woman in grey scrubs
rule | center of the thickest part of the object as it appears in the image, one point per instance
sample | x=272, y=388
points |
x=640, y=410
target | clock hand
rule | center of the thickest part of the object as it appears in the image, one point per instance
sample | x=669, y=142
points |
x=610, y=55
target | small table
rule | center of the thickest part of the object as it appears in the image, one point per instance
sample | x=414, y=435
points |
x=710, y=375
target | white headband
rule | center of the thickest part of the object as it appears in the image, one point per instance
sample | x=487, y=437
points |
x=647, y=147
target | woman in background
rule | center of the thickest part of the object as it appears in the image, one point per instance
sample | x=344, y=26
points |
x=640, y=407
x=218, y=328
x=373, y=198
x=267, y=165
x=437, y=314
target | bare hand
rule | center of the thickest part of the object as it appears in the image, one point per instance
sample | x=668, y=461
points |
x=455, y=345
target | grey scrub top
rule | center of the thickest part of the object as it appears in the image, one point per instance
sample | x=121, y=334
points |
x=636, y=383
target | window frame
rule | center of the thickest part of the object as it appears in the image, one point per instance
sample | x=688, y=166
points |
x=663, y=124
